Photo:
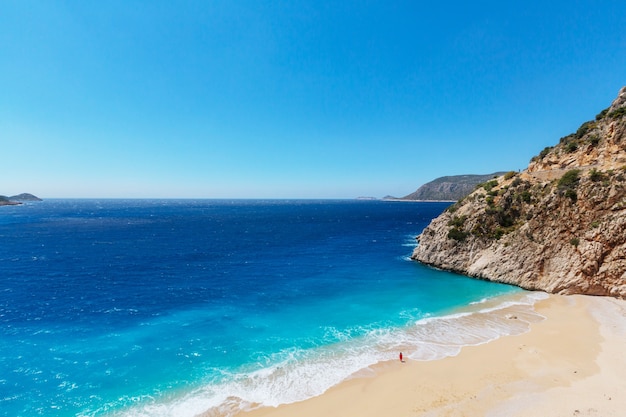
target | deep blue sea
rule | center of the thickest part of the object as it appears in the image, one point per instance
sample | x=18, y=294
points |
x=175, y=307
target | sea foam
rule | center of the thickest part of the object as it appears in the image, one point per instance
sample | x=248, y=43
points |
x=303, y=374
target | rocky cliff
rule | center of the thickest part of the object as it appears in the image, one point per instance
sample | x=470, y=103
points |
x=558, y=226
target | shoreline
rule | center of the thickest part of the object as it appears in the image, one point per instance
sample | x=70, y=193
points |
x=571, y=363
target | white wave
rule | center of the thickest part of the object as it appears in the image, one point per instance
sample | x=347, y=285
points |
x=302, y=374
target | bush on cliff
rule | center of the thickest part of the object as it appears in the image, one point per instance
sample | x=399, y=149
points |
x=571, y=147
x=570, y=179
x=457, y=234
x=542, y=154
x=568, y=183
x=584, y=128
x=595, y=175
x=488, y=186
x=525, y=196
x=594, y=140
x=602, y=114
x=457, y=221
x=615, y=114
x=572, y=195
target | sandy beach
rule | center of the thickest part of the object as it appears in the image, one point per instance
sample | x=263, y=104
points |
x=570, y=364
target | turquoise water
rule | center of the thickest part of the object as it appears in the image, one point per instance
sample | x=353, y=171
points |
x=168, y=307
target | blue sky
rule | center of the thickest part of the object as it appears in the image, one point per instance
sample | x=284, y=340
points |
x=298, y=99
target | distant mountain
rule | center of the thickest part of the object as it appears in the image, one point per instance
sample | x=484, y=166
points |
x=24, y=197
x=450, y=188
x=17, y=199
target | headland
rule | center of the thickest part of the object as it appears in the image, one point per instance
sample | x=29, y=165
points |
x=558, y=226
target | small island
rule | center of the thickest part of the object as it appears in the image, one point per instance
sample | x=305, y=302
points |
x=17, y=199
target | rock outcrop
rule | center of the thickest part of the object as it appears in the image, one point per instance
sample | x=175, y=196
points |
x=558, y=226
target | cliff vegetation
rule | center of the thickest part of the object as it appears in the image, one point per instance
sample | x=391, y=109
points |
x=558, y=226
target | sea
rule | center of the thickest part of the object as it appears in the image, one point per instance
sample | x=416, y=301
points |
x=158, y=308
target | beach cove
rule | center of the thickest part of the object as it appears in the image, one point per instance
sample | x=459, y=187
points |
x=570, y=364
x=294, y=307
x=274, y=302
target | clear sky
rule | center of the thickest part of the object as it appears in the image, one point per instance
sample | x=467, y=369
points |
x=292, y=99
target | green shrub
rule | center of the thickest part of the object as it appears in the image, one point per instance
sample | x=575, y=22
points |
x=571, y=147
x=510, y=175
x=525, y=196
x=488, y=186
x=584, y=128
x=545, y=151
x=574, y=241
x=595, y=175
x=505, y=220
x=569, y=179
x=571, y=194
x=457, y=221
x=542, y=154
x=602, y=114
x=457, y=234
x=615, y=114
x=594, y=139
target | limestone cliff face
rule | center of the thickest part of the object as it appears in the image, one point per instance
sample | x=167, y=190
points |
x=558, y=226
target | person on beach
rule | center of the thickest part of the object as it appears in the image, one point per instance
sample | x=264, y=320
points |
x=401, y=357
